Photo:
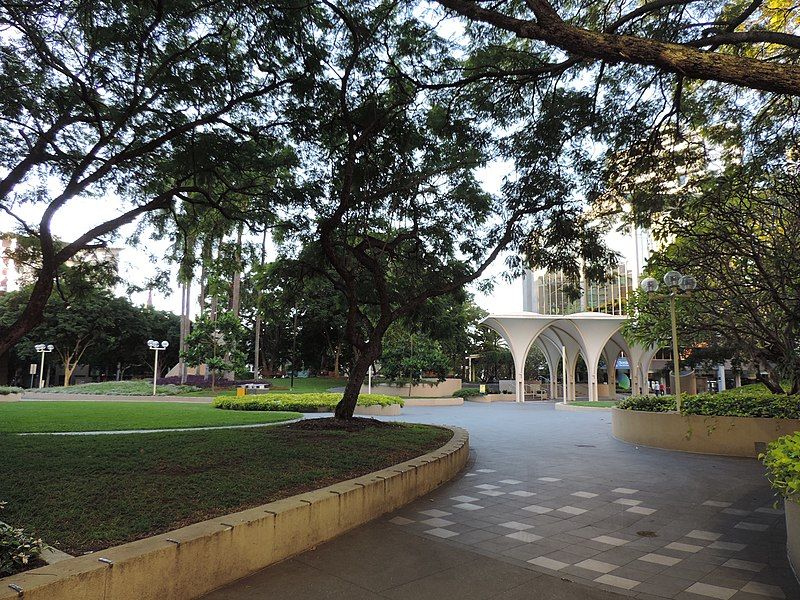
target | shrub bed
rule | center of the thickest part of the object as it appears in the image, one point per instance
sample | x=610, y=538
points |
x=6, y=390
x=318, y=402
x=18, y=550
x=724, y=404
x=467, y=393
x=782, y=460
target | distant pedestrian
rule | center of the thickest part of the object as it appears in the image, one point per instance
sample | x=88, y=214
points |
x=663, y=389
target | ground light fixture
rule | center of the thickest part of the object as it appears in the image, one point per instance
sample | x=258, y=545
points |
x=156, y=347
x=677, y=284
x=43, y=349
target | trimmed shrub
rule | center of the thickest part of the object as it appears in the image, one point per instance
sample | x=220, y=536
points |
x=467, y=393
x=18, y=550
x=648, y=403
x=316, y=402
x=6, y=390
x=782, y=460
x=733, y=403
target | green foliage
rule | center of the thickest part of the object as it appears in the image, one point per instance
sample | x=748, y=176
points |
x=782, y=460
x=17, y=548
x=468, y=393
x=218, y=344
x=731, y=403
x=123, y=388
x=649, y=403
x=6, y=390
x=408, y=357
x=298, y=402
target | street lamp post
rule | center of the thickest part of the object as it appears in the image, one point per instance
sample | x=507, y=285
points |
x=156, y=347
x=43, y=349
x=677, y=284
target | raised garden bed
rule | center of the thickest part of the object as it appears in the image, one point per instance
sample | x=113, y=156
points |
x=368, y=404
x=782, y=460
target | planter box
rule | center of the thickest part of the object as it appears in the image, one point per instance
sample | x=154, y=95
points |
x=192, y=561
x=492, y=398
x=10, y=397
x=436, y=389
x=726, y=436
x=793, y=535
x=433, y=401
x=382, y=411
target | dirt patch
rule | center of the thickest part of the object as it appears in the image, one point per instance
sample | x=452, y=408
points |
x=334, y=424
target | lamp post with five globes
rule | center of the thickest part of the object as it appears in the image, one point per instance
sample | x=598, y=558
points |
x=677, y=284
x=43, y=349
x=156, y=347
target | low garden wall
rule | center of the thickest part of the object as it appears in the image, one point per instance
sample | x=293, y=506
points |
x=10, y=397
x=194, y=560
x=492, y=398
x=433, y=401
x=434, y=389
x=793, y=535
x=728, y=436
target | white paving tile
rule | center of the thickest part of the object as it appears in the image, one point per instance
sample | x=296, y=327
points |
x=549, y=479
x=683, y=547
x=711, y=591
x=492, y=493
x=464, y=498
x=660, y=559
x=727, y=546
x=596, y=565
x=522, y=493
x=468, y=506
x=401, y=521
x=470, y=475
x=611, y=541
x=539, y=510
x=548, y=563
x=516, y=525
x=747, y=526
x=620, y=582
x=524, y=536
x=641, y=510
x=572, y=510
x=736, y=511
x=744, y=565
x=584, y=494
x=437, y=522
x=510, y=481
x=487, y=486
x=699, y=534
x=627, y=502
x=442, y=533
x=768, y=510
x=716, y=503
x=435, y=513
x=624, y=491
x=762, y=589
x=485, y=471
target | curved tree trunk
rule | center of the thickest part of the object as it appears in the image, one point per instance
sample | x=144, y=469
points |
x=358, y=372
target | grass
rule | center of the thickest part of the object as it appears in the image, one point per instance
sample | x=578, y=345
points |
x=122, y=388
x=86, y=493
x=18, y=417
x=596, y=404
x=305, y=385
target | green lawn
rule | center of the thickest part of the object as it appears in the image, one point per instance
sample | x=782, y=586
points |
x=137, y=387
x=83, y=493
x=20, y=417
x=597, y=404
x=301, y=386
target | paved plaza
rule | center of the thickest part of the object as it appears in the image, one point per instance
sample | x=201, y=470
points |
x=552, y=507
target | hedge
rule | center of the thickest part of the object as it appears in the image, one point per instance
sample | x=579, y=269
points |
x=467, y=393
x=315, y=402
x=5, y=390
x=731, y=403
x=782, y=460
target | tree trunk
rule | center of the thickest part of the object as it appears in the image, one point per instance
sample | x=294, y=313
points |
x=358, y=372
x=336, y=354
x=771, y=382
x=236, y=285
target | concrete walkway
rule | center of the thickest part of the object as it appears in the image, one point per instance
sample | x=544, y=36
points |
x=553, y=508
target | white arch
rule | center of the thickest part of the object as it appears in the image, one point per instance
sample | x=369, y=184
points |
x=581, y=333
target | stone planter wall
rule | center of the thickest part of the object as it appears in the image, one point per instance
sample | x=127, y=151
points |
x=727, y=436
x=793, y=535
x=10, y=397
x=441, y=389
x=189, y=562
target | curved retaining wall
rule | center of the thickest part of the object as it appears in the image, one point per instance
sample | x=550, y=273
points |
x=194, y=560
x=727, y=436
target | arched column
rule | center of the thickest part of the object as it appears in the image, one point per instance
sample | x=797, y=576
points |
x=552, y=353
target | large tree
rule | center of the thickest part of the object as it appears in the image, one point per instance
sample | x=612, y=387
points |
x=135, y=100
x=739, y=236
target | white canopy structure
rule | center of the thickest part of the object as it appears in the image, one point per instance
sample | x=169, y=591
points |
x=565, y=337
